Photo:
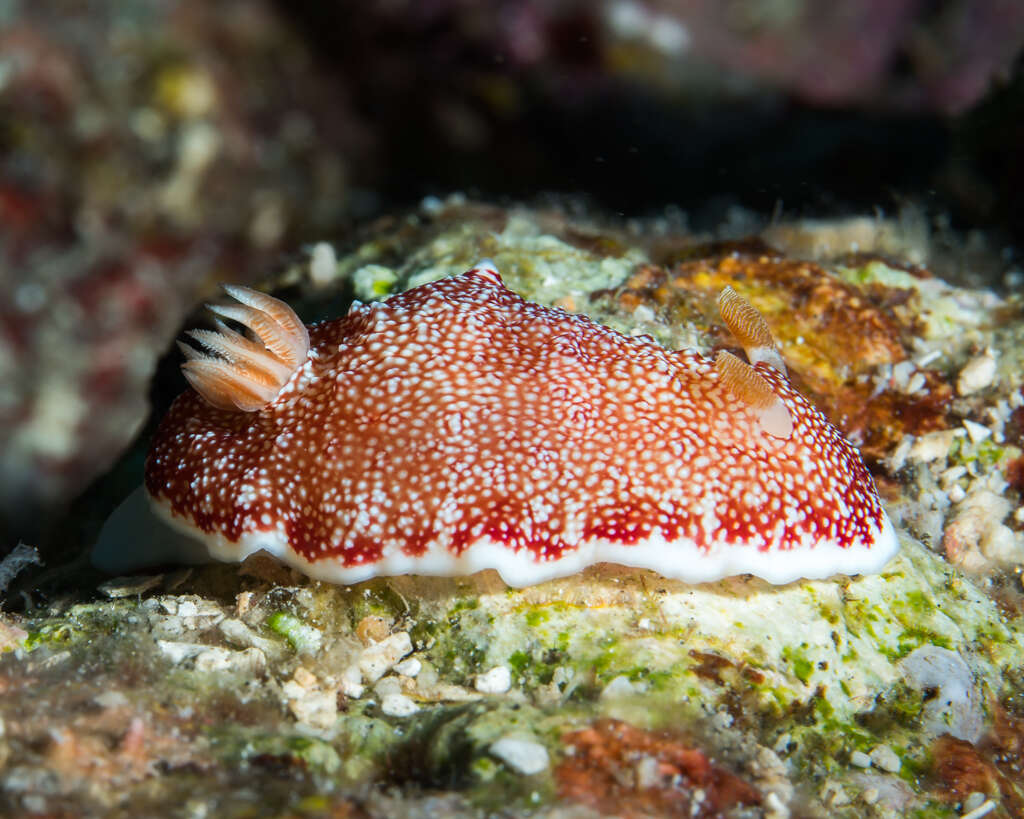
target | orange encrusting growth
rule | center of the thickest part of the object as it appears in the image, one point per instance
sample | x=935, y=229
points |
x=457, y=427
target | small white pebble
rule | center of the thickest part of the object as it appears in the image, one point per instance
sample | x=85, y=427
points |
x=317, y=709
x=901, y=374
x=107, y=699
x=774, y=807
x=409, y=668
x=977, y=374
x=323, y=263
x=351, y=682
x=859, y=759
x=926, y=359
x=885, y=759
x=525, y=756
x=644, y=623
x=974, y=801
x=647, y=771
x=932, y=446
x=898, y=457
x=956, y=493
x=398, y=705
x=984, y=809
x=496, y=681
x=869, y=795
x=954, y=473
x=386, y=686
x=643, y=313
x=187, y=608
x=916, y=382
x=977, y=432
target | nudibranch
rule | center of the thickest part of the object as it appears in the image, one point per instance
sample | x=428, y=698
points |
x=457, y=427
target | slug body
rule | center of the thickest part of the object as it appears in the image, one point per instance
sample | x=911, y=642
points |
x=457, y=427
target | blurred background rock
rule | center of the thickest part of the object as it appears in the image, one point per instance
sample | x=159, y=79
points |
x=150, y=149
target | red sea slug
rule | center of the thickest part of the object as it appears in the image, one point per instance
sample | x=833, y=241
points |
x=457, y=427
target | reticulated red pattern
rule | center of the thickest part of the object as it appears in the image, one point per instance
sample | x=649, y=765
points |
x=457, y=411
